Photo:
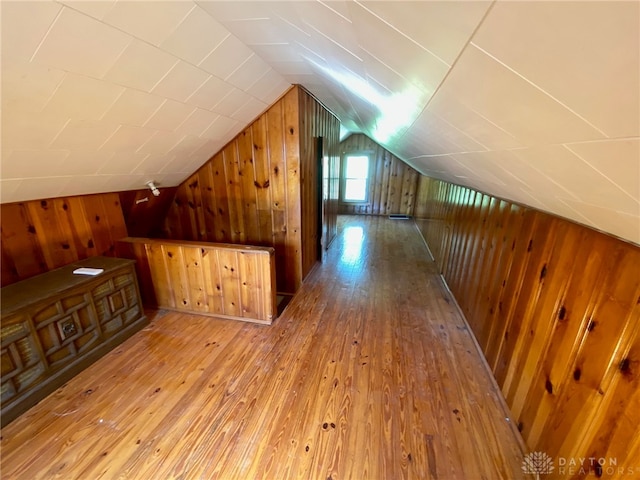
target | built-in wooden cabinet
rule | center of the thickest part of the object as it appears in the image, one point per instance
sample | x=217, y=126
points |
x=57, y=323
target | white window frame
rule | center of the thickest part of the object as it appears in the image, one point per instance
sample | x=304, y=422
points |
x=343, y=177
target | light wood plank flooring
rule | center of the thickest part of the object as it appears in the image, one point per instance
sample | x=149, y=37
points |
x=370, y=373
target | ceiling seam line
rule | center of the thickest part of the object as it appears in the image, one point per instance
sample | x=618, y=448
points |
x=540, y=89
x=455, y=62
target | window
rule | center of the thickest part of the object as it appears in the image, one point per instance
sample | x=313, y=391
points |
x=355, y=178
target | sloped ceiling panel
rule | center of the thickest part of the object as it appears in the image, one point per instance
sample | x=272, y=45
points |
x=536, y=102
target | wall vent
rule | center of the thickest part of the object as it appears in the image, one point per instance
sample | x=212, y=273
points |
x=399, y=216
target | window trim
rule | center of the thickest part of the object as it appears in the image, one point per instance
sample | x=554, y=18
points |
x=343, y=177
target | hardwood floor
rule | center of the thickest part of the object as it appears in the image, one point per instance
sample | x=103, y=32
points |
x=370, y=373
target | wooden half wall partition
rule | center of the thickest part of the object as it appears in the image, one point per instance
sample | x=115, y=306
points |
x=222, y=280
x=555, y=306
x=392, y=183
x=261, y=188
x=40, y=235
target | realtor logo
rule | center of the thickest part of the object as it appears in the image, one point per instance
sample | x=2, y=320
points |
x=537, y=463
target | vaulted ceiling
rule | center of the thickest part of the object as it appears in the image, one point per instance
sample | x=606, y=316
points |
x=536, y=102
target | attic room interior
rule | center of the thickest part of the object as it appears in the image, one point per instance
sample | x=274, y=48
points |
x=320, y=239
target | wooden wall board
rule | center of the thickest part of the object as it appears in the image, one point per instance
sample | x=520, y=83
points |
x=260, y=188
x=41, y=235
x=225, y=280
x=555, y=306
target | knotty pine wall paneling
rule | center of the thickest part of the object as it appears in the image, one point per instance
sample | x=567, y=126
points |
x=223, y=280
x=392, y=183
x=251, y=192
x=555, y=306
x=316, y=121
x=145, y=218
x=40, y=235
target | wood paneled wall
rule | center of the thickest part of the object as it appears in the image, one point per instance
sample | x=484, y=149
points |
x=145, y=218
x=223, y=280
x=251, y=192
x=392, y=183
x=555, y=307
x=40, y=235
x=316, y=121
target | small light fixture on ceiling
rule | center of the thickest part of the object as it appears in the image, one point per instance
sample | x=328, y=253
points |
x=154, y=189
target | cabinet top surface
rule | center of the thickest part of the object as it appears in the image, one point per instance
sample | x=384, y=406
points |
x=34, y=289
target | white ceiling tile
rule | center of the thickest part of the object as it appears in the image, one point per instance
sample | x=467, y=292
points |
x=427, y=140
x=340, y=59
x=210, y=93
x=232, y=102
x=447, y=130
x=471, y=123
x=292, y=68
x=482, y=168
x=279, y=52
x=382, y=75
x=160, y=143
x=528, y=174
x=618, y=160
x=27, y=87
x=169, y=116
x=621, y=224
x=268, y=81
x=245, y=10
x=320, y=18
x=207, y=150
x=24, y=25
x=26, y=131
x=189, y=145
x=555, y=206
x=8, y=189
x=256, y=31
x=440, y=27
x=118, y=183
x=576, y=176
x=83, y=97
x=181, y=82
x=100, y=47
x=199, y=121
x=249, y=111
x=153, y=164
x=512, y=103
x=498, y=166
x=149, y=21
x=45, y=187
x=417, y=66
x=87, y=184
x=226, y=58
x=302, y=79
x=133, y=107
x=177, y=165
x=247, y=74
x=83, y=135
x=270, y=94
x=128, y=139
x=22, y=163
x=587, y=55
x=121, y=163
x=95, y=8
x=83, y=162
x=196, y=36
x=141, y=66
x=220, y=128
